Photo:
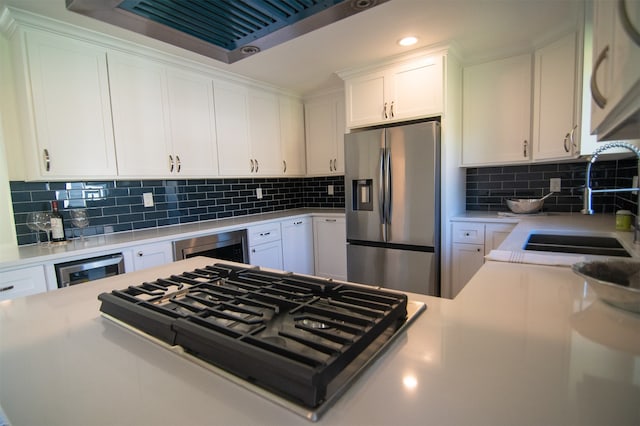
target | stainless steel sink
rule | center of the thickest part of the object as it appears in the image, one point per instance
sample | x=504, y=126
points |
x=580, y=244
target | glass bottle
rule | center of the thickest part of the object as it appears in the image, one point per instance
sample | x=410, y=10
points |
x=57, y=224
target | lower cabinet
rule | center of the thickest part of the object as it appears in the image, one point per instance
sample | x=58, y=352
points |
x=150, y=255
x=22, y=282
x=265, y=245
x=471, y=241
x=330, y=247
x=297, y=245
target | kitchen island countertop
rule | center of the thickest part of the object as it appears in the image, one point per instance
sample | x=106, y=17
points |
x=520, y=345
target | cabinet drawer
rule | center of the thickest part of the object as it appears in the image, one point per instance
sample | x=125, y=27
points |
x=264, y=233
x=468, y=232
x=22, y=282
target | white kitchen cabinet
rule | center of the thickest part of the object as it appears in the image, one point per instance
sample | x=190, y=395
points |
x=470, y=242
x=248, y=130
x=151, y=255
x=325, y=129
x=496, y=125
x=407, y=90
x=22, y=282
x=297, y=245
x=292, y=136
x=265, y=245
x=163, y=119
x=615, y=85
x=330, y=247
x=556, y=123
x=63, y=94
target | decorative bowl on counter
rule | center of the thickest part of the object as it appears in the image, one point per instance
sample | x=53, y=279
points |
x=524, y=205
x=616, y=282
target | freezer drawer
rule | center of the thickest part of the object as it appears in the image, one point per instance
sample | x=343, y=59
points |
x=403, y=270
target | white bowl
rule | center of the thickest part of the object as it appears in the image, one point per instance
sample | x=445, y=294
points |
x=616, y=282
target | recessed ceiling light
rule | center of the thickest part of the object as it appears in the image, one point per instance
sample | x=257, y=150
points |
x=408, y=41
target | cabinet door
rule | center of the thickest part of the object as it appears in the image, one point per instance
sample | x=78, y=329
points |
x=22, y=282
x=604, y=16
x=330, y=247
x=417, y=89
x=497, y=112
x=192, y=120
x=465, y=262
x=555, y=123
x=292, y=134
x=151, y=255
x=321, y=131
x=268, y=255
x=232, y=129
x=140, y=118
x=495, y=234
x=365, y=100
x=69, y=89
x=264, y=132
x=297, y=246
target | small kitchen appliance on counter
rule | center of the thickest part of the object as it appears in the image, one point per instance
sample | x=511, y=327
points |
x=300, y=341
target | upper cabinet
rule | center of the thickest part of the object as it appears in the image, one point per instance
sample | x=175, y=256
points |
x=399, y=92
x=63, y=97
x=556, y=101
x=163, y=118
x=496, y=112
x=615, y=80
x=325, y=129
x=504, y=124
x=292, y=136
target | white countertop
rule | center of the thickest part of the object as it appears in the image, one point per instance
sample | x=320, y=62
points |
x=96, y=245
x=520, y=345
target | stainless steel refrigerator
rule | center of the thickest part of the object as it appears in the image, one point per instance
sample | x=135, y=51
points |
x=392, y=195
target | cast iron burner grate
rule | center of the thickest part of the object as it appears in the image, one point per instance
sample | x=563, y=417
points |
x=290, y=334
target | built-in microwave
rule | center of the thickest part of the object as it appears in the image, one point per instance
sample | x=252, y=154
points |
x=83, y=270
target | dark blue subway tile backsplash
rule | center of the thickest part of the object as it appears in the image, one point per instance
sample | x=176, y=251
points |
x=488, y=187
x=116, y=206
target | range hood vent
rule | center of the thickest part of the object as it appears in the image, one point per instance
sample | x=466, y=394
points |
x=226, y=30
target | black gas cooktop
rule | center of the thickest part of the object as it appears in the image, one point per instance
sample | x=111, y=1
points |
x=300, y=338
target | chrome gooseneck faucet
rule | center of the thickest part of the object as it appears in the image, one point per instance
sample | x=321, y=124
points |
x=588, y=192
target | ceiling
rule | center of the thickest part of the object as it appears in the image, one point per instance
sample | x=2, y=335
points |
x=480, y=30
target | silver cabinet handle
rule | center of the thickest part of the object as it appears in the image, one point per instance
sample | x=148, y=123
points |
x=597, y=96
x=572, y=138
x=47, y=160
x=6, y=288
x=298, y=222
x=569, y=137
x=170, y=163
x=178, y=163
x=284, y=164
x=524, y=148
x=391, y=110
x=252, y=165
x=330, y=220
x=381, y=191
x=257, y=166
x=330, y=165
x=385, y=110
x=631, y=31
x=264, y=234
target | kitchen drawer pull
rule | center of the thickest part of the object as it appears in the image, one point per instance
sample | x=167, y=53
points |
x=284, y=164
x=631, y=31
x=330, y=220
x=252, y=165
x=264, y=234
x=178, y=163
x=298, y=222
x=597, y=96
x=47, y=160
x=170, y=163
x=6, y=288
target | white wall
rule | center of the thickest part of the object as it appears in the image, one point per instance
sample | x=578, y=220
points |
x=7, y=226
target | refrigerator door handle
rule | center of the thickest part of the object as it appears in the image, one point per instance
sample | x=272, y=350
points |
x=387, y=184
x=381, y=193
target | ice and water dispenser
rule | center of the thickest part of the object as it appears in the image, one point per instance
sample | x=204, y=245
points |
x=362, y=194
